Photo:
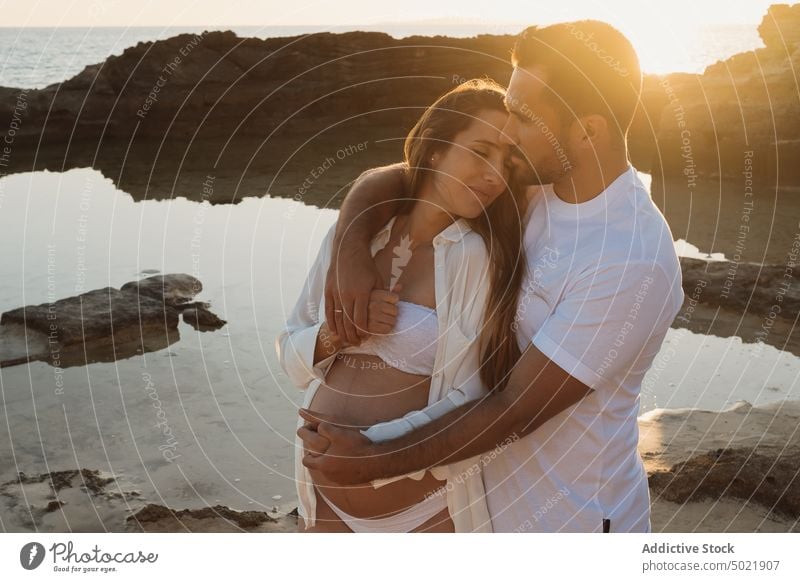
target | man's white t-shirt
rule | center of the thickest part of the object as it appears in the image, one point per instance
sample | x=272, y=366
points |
x=602, y=288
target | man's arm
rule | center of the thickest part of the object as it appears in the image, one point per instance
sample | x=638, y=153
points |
x=371, y=202
x=537, y=390
x=608, y=319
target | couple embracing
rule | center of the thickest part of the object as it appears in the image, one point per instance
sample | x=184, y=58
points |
x=474, y=332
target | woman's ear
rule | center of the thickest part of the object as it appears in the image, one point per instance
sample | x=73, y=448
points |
x=434, y=155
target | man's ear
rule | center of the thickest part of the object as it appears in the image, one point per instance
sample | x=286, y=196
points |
x=593, y=129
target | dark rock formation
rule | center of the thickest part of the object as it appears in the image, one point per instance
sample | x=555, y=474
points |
x=221, y=85
x=68, y=500
x=245, y=114
x=742, y=287
x=172, y=290
x=158, y=513
x=199, y=317
x=86, y=500
x=694, y=126
x=258, y=115
x=781, y=26
x=100, y=314
x=737, y=473
x=103, y=325
x=90, y=479
x=53, y=506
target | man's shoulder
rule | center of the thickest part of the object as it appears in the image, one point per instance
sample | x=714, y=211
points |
x=650, y=237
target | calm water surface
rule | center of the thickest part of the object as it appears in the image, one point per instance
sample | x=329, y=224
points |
x=230, y=408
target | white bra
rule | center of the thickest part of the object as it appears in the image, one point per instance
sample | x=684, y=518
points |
x=411, y=347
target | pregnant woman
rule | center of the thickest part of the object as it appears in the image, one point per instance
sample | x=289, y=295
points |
x=452, y=258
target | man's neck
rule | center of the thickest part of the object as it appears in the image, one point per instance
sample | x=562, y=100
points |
x=589, y=181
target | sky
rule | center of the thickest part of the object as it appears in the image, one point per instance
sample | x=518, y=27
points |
x=648, y=13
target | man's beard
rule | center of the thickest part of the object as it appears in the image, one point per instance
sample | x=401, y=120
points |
x=524, y=172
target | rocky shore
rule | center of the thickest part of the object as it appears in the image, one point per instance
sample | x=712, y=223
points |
x=730, y=471
x=260, y=115
x=741, y=115
x=727, y=471
x=734, y=470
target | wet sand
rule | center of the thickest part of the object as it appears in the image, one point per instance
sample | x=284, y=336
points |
x=673, y=443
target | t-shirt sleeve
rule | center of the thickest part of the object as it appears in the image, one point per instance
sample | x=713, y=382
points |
x=600, y=327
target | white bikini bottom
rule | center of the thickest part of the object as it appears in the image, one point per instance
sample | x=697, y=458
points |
x=402, y=522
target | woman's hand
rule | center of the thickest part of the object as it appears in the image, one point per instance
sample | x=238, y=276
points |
x=382, y=311
x=381, y=319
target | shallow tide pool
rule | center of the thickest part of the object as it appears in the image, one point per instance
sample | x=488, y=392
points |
x=229, y=408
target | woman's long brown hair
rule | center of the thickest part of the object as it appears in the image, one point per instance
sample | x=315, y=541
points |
x=500, y=225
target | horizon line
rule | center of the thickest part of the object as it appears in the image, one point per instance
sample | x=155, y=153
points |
x=489, y=24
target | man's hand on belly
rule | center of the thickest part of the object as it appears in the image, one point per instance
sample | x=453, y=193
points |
x=341, y=453
x=537, y=390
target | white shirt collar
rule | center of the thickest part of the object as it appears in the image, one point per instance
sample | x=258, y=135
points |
x=453, y=233
x=625, y=182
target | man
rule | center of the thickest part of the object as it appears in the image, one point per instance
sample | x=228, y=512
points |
x=602, y=287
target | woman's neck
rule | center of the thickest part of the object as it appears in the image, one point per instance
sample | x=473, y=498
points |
x=425, y=220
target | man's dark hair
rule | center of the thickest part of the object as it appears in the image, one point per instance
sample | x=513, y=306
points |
x=592, y=69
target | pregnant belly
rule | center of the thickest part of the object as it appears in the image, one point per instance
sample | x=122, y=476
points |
x=363, y=390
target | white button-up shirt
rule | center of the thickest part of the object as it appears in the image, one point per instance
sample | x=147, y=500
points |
x=461, y=286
